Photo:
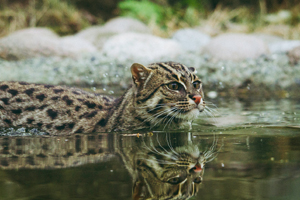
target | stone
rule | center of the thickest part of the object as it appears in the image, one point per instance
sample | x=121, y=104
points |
x=283, y=46
x=235, y=47
x=75, y=46
x=267, y=38
x=143, y=48
x=97, y=35
x=191, y=40
x=37, y=42
x=294, y=55
x=126, y=24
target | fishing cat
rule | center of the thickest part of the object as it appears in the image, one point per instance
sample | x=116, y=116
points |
x=161, y=94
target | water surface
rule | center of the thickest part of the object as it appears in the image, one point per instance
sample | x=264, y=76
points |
x=257, y=146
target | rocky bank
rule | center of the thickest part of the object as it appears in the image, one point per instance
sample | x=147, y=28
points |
x=229, y=64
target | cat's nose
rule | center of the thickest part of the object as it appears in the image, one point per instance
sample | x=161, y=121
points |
x=197, y=168
x=197, y=98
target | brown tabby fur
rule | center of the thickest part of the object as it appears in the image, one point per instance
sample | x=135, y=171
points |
x=147, y=103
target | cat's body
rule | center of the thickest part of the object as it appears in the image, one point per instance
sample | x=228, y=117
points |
x=162, y=94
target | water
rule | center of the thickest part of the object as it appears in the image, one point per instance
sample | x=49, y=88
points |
x=256, y=147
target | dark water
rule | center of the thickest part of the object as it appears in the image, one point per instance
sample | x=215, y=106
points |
x=256, y=145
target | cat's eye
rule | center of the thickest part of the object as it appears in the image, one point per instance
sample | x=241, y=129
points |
x=173, y=86
x=175, y=180
x=197, y=180
x=197, y=84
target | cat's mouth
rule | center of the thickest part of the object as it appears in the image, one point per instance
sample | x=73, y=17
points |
x=191, y=114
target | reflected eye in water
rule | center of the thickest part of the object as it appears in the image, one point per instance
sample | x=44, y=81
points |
x=175, y=180
x=197, y=180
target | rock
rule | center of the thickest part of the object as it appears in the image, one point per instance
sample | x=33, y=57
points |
x=75, y=46
x=267, y=38
x=126, y=24
x=294, y=55
x=283, y=46
x=191, y=40
x=235, y=47
x=36, y=42
x=38, y=32
x=97, y=35
x=143, y=48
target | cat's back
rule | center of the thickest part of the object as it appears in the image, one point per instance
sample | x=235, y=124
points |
x=55, y=108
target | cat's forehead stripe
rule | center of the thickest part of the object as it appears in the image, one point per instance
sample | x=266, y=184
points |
x=176, y=69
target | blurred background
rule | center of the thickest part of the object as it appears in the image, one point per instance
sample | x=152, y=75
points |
x=162, y=16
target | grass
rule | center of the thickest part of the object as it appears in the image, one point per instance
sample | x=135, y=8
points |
x=60, y=16
x=65, y=18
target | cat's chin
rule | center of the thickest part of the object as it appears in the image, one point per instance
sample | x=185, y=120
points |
x=191, y=115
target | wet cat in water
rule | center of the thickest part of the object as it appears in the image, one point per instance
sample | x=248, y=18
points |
x=161, y=94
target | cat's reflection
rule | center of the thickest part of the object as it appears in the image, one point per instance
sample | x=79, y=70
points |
x=162, y=165
x=163, y=169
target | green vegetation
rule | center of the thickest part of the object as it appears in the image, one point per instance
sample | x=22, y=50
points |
x=62, y=17
x=163, y=16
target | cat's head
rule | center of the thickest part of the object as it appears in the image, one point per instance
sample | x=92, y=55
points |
x=167, y=91
x=170, y=175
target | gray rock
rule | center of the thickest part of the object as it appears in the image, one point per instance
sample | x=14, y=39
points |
x=143, y=48
x=235, y=47
x=267, y=38
x=191, y=40
x=283, y=46
x=74, y=46
x=126, y=24
x=294, y=55
x=36, y=42
x=97, y=35
x=99, y=70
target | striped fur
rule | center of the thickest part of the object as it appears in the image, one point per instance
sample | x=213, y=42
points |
x=148, y=103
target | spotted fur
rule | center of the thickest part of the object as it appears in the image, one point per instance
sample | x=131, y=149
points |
x=149, y=102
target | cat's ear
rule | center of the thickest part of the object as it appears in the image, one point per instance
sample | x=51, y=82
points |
x=192, y=69
x=140, y=74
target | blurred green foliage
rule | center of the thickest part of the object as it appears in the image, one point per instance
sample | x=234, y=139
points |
x=184, y=14
x=144, y=10
x=163, y=16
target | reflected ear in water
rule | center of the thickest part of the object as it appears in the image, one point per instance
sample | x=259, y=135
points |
x=166, y=166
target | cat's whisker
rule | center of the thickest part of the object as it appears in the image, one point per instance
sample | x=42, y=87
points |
x=211, y=153
x=155, y=116
x=161, y=145
x=212, y=110
x=210, y=103
x=161, y=153
x=171, y=119
x=163, y=119
x=209, y=114
x=155, y=151
x=170, y=144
